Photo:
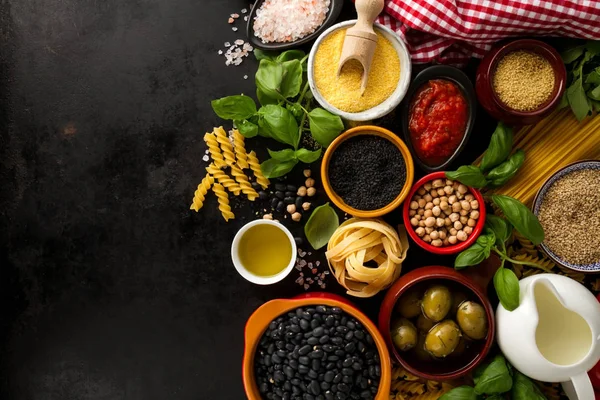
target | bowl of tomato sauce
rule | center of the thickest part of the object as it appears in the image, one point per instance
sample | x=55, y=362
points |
x=438, y=115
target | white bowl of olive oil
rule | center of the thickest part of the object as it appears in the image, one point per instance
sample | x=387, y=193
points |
x=263, y=252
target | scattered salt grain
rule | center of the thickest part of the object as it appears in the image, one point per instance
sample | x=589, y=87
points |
x=301, y=253
x=244, y=10
x=220, y=52
x=235, y=16
x=306, y=286
x=234, y=29
x=230, y=21
x=245, y=76
x=227, y=44
x=205, y=158
x=239, y=42
x=317, y=263
x=245, y=18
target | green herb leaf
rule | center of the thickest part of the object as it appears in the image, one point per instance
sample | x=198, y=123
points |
x=564, y=101
x=494, y=378
x=460, y=393
x=594, y=93
x=471, y=256
x=234, y=107
x=525, y=389
x=501, y=228
x=246, y=128
x=499, y=148
x=592, y=47
x=578, y=100
x=279, y=124
x=487, y=241
x=469, y=175
x=570, y=55
x=307, y=156
x=520, y=217
x=296, y=110
x=273, y=168
x=269, y=77
x=507, y=288
x=291, y=55
x=495, y=397
x=596, y=105
x=263, y=99
x=292, y=78
x=264, y=55
x=283, y=155
x=593, y=77
x=324, y=126
x=321, y=225
x=505, y=171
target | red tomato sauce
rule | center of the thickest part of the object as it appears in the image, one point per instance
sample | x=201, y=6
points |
x=437, y=120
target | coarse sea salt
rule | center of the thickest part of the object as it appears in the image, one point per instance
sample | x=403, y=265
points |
x=289, y=20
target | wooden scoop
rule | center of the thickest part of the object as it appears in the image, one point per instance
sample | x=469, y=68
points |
x=361, y=40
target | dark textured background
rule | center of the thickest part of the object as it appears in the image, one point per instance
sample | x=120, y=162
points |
x=110, y=287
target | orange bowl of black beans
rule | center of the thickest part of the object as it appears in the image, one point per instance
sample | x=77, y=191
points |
x=318, y=346
x=367, y=171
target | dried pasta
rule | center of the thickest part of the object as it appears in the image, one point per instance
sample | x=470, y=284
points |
x=242, y=179
x=215, y=150
x=543, y=264
x=226, y=146
x=240, y=150
x=223, y=202
x=255, y=166
x=527, y=246
x=200, y=193
x=224, y=179
x=408, y=387
x=428, y=396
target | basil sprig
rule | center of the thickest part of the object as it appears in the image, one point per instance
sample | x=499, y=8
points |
x=285, y=114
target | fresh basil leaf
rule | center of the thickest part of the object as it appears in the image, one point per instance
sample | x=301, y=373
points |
x=263, y=99
x=564, y=101
x=292, y=78
x=279, y=124
x=269, y=77
x=578, y=100
x=495, y=397
x=321, y=225
x=501, y=228
x=234, y=107
x=296, y=110
x=505, y=171
x=246, y=128
x=264, y=55
x=494, y=378
x=324, y=126
x=525, y=389
x=283, y=155
x=596, y=105
x=291, y=55
x=593, y=48
x=593, y=77
x=507, y=288
x=520, y=217
x=273, y=168
x=594, y=93
x=460, y=393
x=486, y=241
x=307, y=156
x=471, y=256
x=468, y=175
x=570, y=55
x=499, y=148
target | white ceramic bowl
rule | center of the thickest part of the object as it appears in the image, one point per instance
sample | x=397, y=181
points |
x=391, y=102
x=258, y=279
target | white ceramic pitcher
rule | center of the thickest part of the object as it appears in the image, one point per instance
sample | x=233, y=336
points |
x=554, y=334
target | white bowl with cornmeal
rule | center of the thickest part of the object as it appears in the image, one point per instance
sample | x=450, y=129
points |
x=388, y=104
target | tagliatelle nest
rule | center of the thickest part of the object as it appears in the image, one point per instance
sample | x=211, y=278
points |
x=358, y=242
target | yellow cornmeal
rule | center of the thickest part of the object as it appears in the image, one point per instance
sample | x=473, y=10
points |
x=343, y=92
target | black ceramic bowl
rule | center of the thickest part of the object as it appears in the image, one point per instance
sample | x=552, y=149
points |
x=335, y=8
x=457, y=77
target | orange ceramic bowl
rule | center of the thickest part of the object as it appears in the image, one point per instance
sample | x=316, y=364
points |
x=259, y=321
x=368, y=130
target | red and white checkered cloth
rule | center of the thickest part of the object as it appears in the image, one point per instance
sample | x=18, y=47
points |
x=452, y=31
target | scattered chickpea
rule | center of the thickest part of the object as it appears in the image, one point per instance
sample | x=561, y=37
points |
x=443, y=235
x=291, y=208
x=463, y=213
x=421, y=211
x=422, y=222
x=306, y=173
x=458, y=225
x=444, y=205
x=430, y=221
x=427, y=186
x=465, y=205
x=446, y=242
x=306, y=206
x=460, y=196
x=429, y=230
x=441, y=192
x=268, y=216
x=471, y=222
x=296, y=216
x=452, y=199
x=434, y=235
x=421, y=191
x=462, y=189
x=464, y=220
x=474, y=214
x=447, y=221
x=310, y=182
x=311, y=191
x=414, y=222
x=418, y=217
x=414, y=205
x=301, y=191
x=452, y=239
x=436, y=211
x=437, y=243
x=449, y=182
x=420, y=231
x=429, y=206
x=461, y=235
x=434, y=194
x=428, y=213
x=436, y=202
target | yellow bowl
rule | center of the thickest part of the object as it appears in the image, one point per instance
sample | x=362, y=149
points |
x=376, y=131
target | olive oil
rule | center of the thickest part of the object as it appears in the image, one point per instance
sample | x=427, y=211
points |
x=265, y=250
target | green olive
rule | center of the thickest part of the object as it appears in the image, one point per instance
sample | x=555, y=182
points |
x=409, y=304
x=436, y=302
x=424, y=324
x=472, y=319
x=457, y=299
x=419, y=349
x=404, y=334
x=442, y=339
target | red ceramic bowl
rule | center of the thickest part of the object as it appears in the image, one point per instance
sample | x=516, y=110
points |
x=445, y=250
x=449, y=368
x=490, y=101
x=594, y=373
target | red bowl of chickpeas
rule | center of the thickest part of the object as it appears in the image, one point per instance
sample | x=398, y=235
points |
x=443, y=216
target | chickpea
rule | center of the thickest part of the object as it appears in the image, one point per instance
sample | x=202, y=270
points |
x=443, y=234
x=416, y=197
x=454, y=217
x=311, y=191
x=437, y=183
x=268, y=216
x=296, y=216
x=469, y=197
x=437, y=243
x=429, y=206
x=459, y=196
x=427, y=186
x=418, y=217
x=444, y=198
x=421, y=203
x=447, y=221
x=427, y=238
x=420, y=231
x=436, y=202
x=434, y=194
x=428, y=213
x=436, y=210
x=444, y=205
x=291, y=208
x=430, y=221
x=421, y=211
x=306, y=206
x=448, y=190
x=474, y=214
x=441, y=192
x=452, y=240
x=449, y=182
x=310, y=182
x=429, y=230
x=452, y=199
x=463, y=213
x=468, y=230
x=427, y=197
x=412, y=213
x=413, y=221
x=439, y=222
x=471, y=222
x=301, y=191
x=464, y=220
x=461, y=235
x=458, y=225
x=434, y=235
x=453, y=232
x=462, y=189
x=474, y=204
x=421, y=191
x=465, y=205
x=456, y=207
x=306, y=173
x=446, y=242
x=422, y=223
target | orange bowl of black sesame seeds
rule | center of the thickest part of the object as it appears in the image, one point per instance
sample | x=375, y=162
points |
x=521, y=82
x=367, y=171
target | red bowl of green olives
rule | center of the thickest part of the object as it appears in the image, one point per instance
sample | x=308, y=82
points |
x=437, y=323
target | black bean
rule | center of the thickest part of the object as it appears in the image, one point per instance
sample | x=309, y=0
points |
x=339, y=353
x=319, y=331
x=341, y=396
x=349, y=335
x=270, y=396
x=263, y=387
x=350, y=347
x=280, y=187
x=314, y=324
x=289, y=371
x=289, y=200
x=295, y=353
x=347, y=371
x=341, y=329
x=344, y=320
x=304, y=360
x=299, y=201
x=347, y=379
x=308, y=397
x=317, y=354
x=304, y=324
x=299, y=241
x=277, y=367
x=286, y=396
x=351, y=325
x=276, y=359
x=278, y=377
x=366, y=394
x=369, y=339
x=336, y=310
x=279, y=194
x=313, y=374
x=312, y=340
x=330, y=366
x=360, y=335
x=361, y=347
x=296, y=382
x=377, y=371
x=342, y=387
x=267, y=361
x=338, y=364
x=298, y=337
x=372, y=371
x=294, y=328
x=315, y=387
x=316, y=364
x=328, y=348
x=262, y=195
x=347, y=362
x=272, y=325
x=303, y=369
x=280, y=206
x=291, y=188
x=294, y=364
x=304, y=350
x=330, y=320
x=324, y=339
x=329, y=396
x=337, y=378
x=356, y=366
x=290, y=194
x=281, y=353
x=337, y=341
x=333, y=358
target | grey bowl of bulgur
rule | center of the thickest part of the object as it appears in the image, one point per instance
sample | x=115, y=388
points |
x=568, y=207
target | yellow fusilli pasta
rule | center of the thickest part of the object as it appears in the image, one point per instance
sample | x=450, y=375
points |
x=527, y=247
x=433, y=386
x=224, y=179
x=215, y=150
x=240, y=150
x=255, y=166
x=226, y=146
x=223, y=201
x=242, y=179
x=408, y=387
x=428, y=396
x=200, y=193
x=540, y=263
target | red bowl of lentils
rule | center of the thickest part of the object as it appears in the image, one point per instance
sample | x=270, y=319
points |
x=521, y=82
x=443, y=216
